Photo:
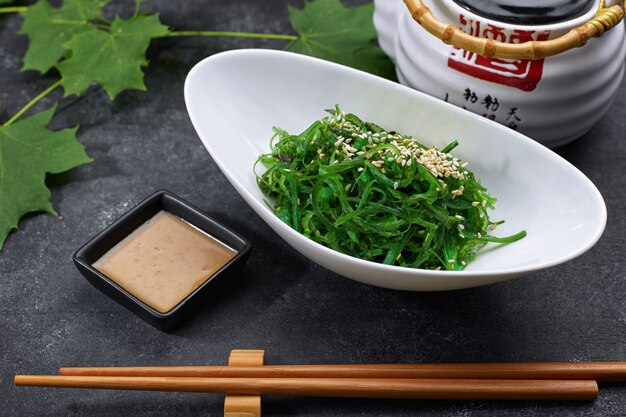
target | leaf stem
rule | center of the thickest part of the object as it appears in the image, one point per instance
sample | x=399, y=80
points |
x=14, y=9
x=33, y=102
x=103, y=20
x=230, y=34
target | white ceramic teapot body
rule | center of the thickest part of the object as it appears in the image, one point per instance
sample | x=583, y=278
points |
x=553, y=100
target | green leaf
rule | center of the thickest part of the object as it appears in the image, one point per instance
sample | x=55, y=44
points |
x=6, y=1
x=113, y=58
x=29, y=150
x=48, y=28
x=346, y=35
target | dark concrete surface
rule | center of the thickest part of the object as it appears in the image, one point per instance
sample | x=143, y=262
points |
x=297, y=311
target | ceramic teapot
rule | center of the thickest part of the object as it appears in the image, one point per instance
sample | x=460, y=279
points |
x=548, y=74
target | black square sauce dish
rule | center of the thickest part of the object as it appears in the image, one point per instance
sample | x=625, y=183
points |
x=162, y=259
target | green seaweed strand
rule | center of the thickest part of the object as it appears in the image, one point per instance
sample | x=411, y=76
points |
x=341, y=183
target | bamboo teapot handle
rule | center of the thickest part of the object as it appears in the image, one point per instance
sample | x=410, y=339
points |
x=605, y=19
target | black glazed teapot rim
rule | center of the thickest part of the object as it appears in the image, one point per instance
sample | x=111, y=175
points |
x=528, y=12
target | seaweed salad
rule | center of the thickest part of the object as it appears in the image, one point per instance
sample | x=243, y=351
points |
x=378, y=195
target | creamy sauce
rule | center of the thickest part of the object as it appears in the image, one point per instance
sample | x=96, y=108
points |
x=164, y=261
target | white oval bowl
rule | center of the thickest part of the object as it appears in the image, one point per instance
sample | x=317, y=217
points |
x=234, y=99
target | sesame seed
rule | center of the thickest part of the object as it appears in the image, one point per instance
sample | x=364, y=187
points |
x=360, y=169
x=395, y=185
x=451, y=261
x=475, y=203
x=460, y=226
x=407, y=150
x=484, y=203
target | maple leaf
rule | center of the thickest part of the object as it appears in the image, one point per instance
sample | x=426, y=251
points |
x=48, y=28
x=112, y=57
x=330, y=30
x=28, y=151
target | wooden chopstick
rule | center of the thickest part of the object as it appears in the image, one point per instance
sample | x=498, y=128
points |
x=435, y=389
x=599, y=371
